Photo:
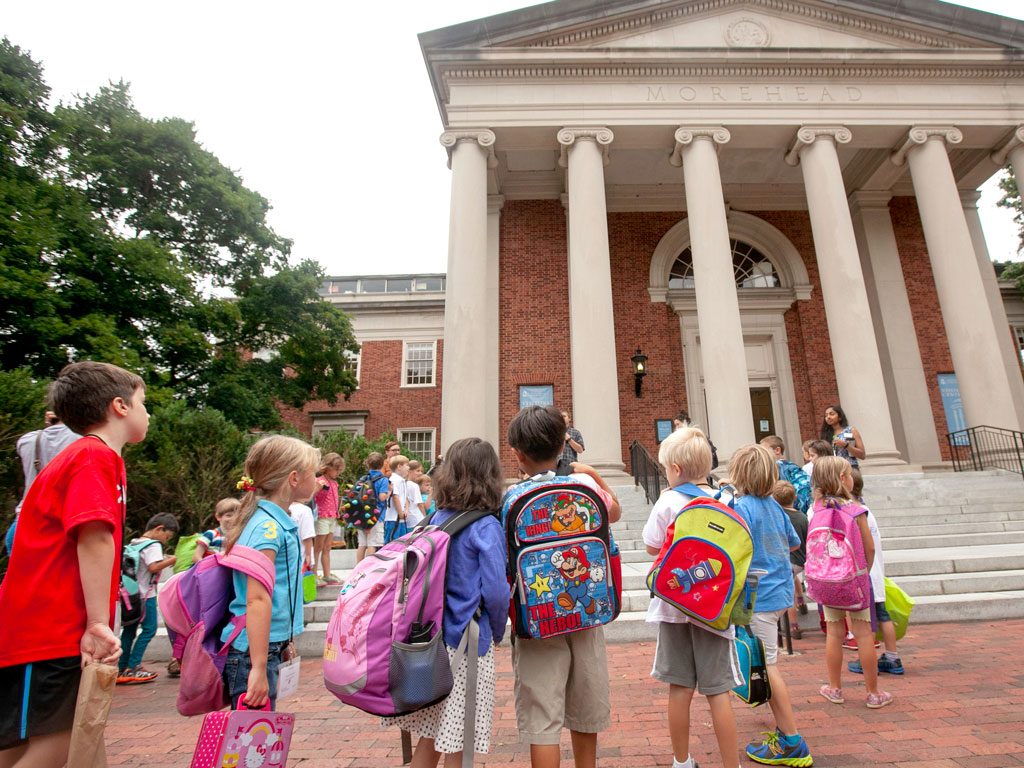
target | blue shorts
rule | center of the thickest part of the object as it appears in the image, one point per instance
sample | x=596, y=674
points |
x=238, y=666
x=880, y=613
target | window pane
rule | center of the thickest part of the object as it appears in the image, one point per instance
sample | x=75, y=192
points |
x=418, y=443
x=373, y=286
x=419, y=363
x=344, y=286
x=399, y=286
x=428, y=284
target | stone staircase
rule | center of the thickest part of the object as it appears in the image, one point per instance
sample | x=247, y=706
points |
x=953, y=541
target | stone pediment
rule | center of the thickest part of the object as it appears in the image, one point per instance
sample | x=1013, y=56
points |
x=626, y=25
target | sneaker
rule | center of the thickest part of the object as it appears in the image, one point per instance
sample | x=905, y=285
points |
x=835, y=695
x=174, y=668
x=135, y=676
x=774, y=751
x=850, y=643
x=890, y=667
x=884, y=665
x=879, y=700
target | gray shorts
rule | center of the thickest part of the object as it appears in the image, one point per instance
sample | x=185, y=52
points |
x=765, y=625
x=691, y=657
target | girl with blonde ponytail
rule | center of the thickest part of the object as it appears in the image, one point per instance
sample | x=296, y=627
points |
x=278, y=471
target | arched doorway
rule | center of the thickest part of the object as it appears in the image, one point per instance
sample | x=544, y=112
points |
x=770, y=277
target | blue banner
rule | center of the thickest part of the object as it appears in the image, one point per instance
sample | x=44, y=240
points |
x=949, y=390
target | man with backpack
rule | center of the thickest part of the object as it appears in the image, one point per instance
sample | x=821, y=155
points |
x=141, y=565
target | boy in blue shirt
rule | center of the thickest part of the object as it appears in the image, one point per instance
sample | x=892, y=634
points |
x=754, y=475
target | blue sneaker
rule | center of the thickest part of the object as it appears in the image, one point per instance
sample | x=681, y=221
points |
x=774, y=751
x=894, y=667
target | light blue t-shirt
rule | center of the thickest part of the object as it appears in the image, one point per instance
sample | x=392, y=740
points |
x=773, y=535
x=270, y=527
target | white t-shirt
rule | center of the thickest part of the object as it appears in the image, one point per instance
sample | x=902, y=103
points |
x=413, y=499
x=154, y=553
x=303, y=517
x=397, y=492
x=663, y=513
x=808, y=468
x=878, y=566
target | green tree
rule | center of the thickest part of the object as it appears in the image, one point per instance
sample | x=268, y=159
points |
x=120, y=234
x=22, y=402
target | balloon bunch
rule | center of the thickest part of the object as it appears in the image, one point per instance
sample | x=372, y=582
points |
x=359, y=506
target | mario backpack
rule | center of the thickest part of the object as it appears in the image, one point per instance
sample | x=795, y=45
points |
x=564, y=568
x=702, y=566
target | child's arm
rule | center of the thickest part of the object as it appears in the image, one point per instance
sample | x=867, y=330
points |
x=159, y=565
x=400, y=505
x=865, y=537
x=614, y=510
x=257, y=625
x=202, y=544
x=95, y=564
x=308, y=544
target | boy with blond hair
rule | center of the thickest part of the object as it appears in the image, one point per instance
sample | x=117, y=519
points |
x=690, y=656
x=398, y=506
x=62, y=578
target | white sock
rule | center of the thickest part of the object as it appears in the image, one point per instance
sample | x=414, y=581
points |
x=687, y=763
x=890, y=655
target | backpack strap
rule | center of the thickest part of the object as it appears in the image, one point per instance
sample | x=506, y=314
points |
x=458, y=522
x=252, y=563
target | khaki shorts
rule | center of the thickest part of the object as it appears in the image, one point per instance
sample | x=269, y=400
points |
x=765, y=626
x=322, y=526
x=371, y=538
x=694, y=658
x=838, y=614
x=561, y=681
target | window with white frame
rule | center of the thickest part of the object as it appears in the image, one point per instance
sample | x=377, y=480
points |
x=418, y=442
x=352, y=360
x=418, y=363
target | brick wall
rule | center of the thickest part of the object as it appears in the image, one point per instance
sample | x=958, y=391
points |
x=391, y=407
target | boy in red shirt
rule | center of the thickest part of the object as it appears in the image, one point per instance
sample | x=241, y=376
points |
x=57, y=599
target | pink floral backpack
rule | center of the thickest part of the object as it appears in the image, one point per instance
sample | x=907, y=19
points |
x=836, y=569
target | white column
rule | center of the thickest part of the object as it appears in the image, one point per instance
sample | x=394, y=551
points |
x=906, y=385
x=595, y=389
x=850, y=329
x=492, y=431
x=984, y=387
x=466, y=315
x=1000, y=322
x=722, y=354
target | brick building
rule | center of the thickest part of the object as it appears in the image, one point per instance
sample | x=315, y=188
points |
x=775, y=200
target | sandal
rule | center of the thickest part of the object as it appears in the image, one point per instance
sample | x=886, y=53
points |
x=879, y=700
x=332, y=579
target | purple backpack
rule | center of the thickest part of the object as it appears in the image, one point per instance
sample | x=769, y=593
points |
x=836, y=569
x=194, y=604
x=384, y=651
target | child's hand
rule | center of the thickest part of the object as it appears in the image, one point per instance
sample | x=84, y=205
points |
x=172, y=559
x=100, y=644
x=579, y=468
x=257, y=690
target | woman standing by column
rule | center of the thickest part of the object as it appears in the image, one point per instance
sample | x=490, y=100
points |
x=845, y=440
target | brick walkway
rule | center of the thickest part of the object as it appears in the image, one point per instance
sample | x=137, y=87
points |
x=961, y=705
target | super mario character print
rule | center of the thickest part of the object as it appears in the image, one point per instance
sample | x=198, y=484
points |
x=561, y=513
x=570, y=515
x=566, y=588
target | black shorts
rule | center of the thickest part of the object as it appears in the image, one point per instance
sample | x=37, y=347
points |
x=38, y=698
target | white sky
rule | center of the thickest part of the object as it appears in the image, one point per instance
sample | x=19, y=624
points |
x=271, y=87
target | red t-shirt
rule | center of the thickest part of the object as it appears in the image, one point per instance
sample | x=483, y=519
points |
x=42, y=606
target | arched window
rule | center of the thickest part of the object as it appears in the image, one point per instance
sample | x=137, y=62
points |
x=751, y=267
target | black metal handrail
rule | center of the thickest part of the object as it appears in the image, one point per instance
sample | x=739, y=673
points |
x=646, y=471
x=985, y=447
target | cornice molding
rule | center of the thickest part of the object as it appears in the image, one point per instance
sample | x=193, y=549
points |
x=495, y=203
x=749, y=71
x=686, y=135
x=809, y=134
x=1015, y=140
x=640, y=22
x=969, y=198
x=870, y=200
x=569, y=136
x=484, y=137
x=920, y=134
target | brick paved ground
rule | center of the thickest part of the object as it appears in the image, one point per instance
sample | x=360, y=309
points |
x=961, y=705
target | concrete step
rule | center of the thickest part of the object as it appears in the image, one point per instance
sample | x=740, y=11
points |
x=939, y=529
x=962, y=583
x=952, y=540
x=946, y=560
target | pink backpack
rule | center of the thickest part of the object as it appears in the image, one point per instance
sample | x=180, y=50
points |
x=194, y=604
x=384, y=652
x=836, y=569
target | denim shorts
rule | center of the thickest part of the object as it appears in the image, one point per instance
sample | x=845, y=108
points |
x=238, y=666
x=881, y=613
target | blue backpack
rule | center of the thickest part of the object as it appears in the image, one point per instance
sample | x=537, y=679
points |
x=755, y=688
x=796, y=477
x=564, y=568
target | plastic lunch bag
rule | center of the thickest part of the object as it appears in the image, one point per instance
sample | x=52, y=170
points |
x=899, y=605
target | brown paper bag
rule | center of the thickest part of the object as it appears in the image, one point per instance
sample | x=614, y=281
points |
x=94, y=697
